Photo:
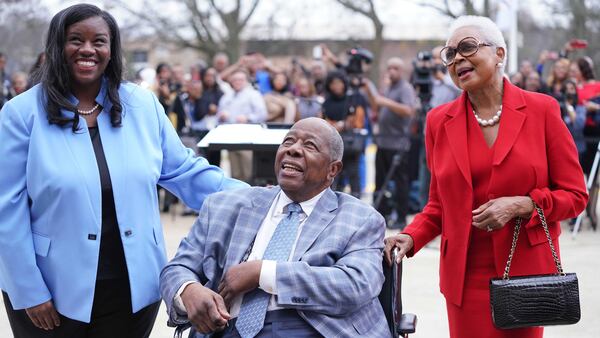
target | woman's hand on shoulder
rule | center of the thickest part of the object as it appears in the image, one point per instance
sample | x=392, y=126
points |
x=495, y=213
x=402, y=242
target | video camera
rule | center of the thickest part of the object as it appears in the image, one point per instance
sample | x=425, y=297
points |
x=356, y=56
x=422, y=70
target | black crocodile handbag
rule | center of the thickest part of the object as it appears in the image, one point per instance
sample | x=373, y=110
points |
x=538, y=300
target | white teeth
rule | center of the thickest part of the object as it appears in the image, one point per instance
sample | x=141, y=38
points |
x=289, y=166
x=86, y=63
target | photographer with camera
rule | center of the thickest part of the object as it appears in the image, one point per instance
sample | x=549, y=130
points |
x=163, y=88
x=345, y=107
x=394, y=112
x=345, y=110
x=443, y=90
x=166, y=92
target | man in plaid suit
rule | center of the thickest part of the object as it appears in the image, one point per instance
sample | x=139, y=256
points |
x=328, y=283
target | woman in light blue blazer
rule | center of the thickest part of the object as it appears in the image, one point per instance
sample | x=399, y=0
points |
x=81, y=244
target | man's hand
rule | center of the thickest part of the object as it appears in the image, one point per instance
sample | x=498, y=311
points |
x=327, y=54
x=205, y=308
x=241, y=119
x=212, y=109
x=401, y=241
x=494, y=214
x=240, y=279
x=223, y=116
x=244, y=61
x=44, y=316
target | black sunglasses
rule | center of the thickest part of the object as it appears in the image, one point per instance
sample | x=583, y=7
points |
x=465, y=47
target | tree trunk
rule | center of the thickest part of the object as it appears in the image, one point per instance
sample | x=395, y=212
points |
x=377, y=49
x=233, y=46
x=580, y=17
x=470, y=8
x=487, y=9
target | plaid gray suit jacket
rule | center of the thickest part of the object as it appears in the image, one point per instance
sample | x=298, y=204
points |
x=333, y=279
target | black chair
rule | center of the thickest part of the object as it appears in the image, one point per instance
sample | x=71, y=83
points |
x=401, y=325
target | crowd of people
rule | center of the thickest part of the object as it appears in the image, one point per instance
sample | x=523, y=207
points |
x=255, y=90
x=83, y=153
x=572, y=82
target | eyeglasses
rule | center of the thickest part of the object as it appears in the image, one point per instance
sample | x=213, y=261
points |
x=466, y=47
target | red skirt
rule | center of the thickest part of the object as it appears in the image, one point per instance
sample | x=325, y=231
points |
x=474, y=318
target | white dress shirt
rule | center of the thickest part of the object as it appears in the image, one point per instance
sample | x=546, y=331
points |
x=267, y=280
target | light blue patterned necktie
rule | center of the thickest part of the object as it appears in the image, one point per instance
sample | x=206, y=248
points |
x=252, y=314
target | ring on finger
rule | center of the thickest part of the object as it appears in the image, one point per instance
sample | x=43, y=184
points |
x=489, y=228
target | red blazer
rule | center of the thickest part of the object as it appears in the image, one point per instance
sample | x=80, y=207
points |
x=534, y=155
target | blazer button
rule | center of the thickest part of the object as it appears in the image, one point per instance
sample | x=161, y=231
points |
x=92, y=237
x=128, y=233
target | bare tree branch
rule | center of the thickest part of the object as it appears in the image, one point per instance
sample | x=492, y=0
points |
x=207, y=37
x=353, y=6
x=252, y=8
x=197, y=17
x=219, y=11
x=367, y=9
x=470, y=8
x=159, y=23
x=445, y=10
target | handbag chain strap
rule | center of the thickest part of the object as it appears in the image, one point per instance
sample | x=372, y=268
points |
x=540, y=213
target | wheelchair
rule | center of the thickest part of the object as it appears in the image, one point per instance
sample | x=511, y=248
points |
x=390, y=297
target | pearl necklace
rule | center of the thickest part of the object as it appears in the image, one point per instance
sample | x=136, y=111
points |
x=490, y=122
x=88, y=112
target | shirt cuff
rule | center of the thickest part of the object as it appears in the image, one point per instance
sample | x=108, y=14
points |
x=177, y=302
x=267, y=279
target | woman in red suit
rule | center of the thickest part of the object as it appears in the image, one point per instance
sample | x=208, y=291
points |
x=492, y=153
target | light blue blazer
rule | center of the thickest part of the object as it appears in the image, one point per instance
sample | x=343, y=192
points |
x=50, y=198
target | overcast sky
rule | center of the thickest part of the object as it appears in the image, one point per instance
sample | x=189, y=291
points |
x=316, y=19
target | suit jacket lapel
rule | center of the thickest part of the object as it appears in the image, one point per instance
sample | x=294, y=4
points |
x=316, y=223
x=82, y=152
x=456, y=131
x=248, y=222
x=116, y=155
x=511, y=121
